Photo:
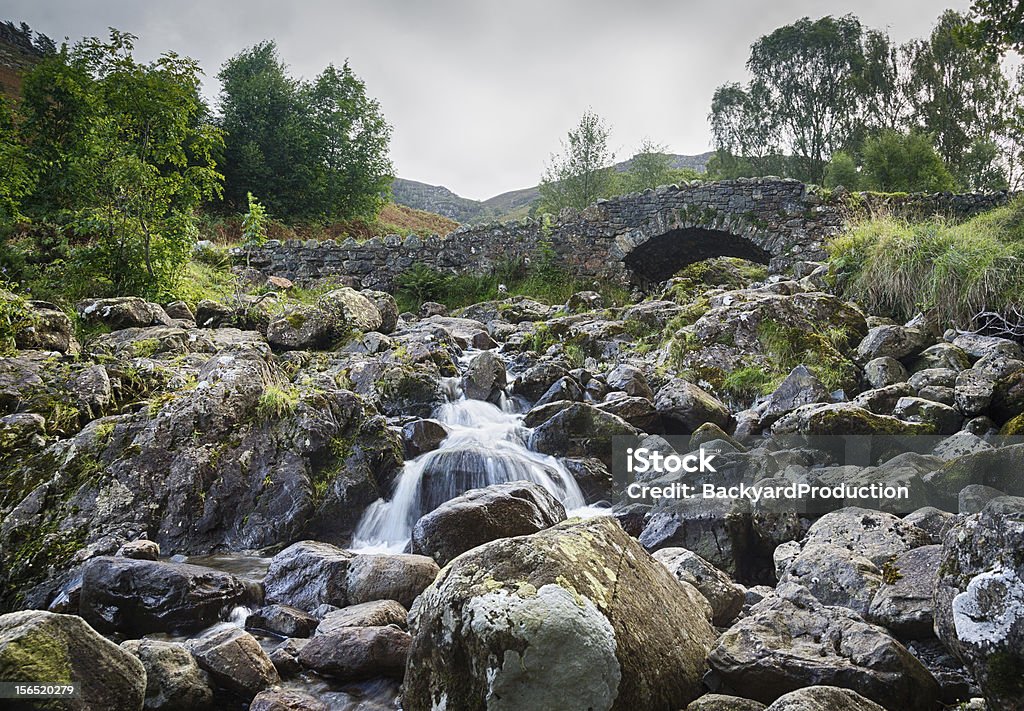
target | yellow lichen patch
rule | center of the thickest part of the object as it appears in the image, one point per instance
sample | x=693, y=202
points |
x=526, y=589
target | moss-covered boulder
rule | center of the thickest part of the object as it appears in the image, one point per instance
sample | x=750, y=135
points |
x=575, y=617
x=43, y=647
x=845, y=419
x=979, y=599
x=581, y=430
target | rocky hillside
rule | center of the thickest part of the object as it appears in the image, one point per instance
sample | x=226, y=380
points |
x=510, y=205
x=274, y=503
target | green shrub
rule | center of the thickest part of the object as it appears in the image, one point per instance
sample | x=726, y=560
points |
x=14, y=316
x=950, y=271
x=277, y=401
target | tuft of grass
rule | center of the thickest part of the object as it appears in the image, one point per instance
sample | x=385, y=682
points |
x=951, y=271
x=277, y=401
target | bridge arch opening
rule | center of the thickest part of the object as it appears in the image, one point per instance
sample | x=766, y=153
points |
x=661, y=256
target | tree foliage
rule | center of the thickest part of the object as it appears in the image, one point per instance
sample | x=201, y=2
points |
x=313, y=150
x=999, y=26
x=122, y=161
x=903, y=162
x=582, y=172
x=649, y=167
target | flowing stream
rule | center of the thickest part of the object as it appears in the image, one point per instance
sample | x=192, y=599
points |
x=486, y=445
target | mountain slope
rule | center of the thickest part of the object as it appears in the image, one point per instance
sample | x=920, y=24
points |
x=509, y=205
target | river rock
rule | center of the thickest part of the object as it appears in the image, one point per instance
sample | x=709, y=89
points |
x=834, y=575
x=844, y=418
x=629, y=380
x=422, y=436
x=580, y=430
x=791, y=640
x=801, y=387
x=824, y=698
x=884, y=371
x=382, y=576
x=725, y=597
x=174, y=681
x=882, y=401
x=141, y=596
x=903, y=603
x=353, y=653
x=140, y=550
x=538, y=379
x=517, y=622
x=283, y=620
x=307, y=574
x=386, y=306
x=935, y=522
x=876, y=535
x=485, y=378
x=943, y=355
x=942, y=419
x=563, y=389
x=979, y=599
x=378, y=613
x=235, y=660
x=686, y=407
x=897, y=342
x=978, y=347
x=286, y=700
x=37, y=646
x=482, y=515
x=721, y=702
x=973, y=391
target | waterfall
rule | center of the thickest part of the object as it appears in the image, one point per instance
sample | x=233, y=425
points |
x=486, y=445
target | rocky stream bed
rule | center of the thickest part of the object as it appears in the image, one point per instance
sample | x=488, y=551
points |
x=274, y=505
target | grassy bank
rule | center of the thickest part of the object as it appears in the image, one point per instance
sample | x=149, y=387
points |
x=951, y=271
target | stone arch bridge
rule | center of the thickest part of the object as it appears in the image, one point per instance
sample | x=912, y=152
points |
x=639, y=239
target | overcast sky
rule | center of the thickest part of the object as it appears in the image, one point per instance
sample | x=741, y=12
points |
x=480, y=91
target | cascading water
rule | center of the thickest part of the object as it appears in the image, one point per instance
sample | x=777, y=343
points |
x=486, y=445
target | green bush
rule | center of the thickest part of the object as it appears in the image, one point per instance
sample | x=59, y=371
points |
x=950, y=271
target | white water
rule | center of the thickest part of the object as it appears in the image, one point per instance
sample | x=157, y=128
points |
x=487, y=445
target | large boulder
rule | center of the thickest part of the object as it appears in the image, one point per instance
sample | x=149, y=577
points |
x=876, y=535
x=686, y=406
x=283, y=620
x=307, y=574
x=378, y=613
x=142, y=596
x=386, y=306
x=352, y=653
x=121, y=312
x=979, y=599
x=235, y=660
x=335, y=315
x=518, y=622
x=481, y=515
x=725, y=597
x=581, y=430
x=485, y=378
x=904, y=603
x=43, y=647
x=897, y=342
x=174, y=681
x=791, y=640
x=723, y=702
x=844, y=418
x=834, y=575
x=824, y=698
x=384, y=576
x=47, y=328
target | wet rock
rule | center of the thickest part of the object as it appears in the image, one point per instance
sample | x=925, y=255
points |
x=942, y=419
x=685, y=407
x=979, y=599
x=235, y=660
x=579, y=606
x=824, y=698
x=538, y=379
x=378, y=613
x=791, y=640
x=629, y=380
x=140, y=550
x=422, y=436
x=307, y=574
x=352, y=653
x=561, y=390
x=466, y=332
x=884, y=371
x=140, y=596
x=283, y=620
x=834, y=575
x=718, y=531
x=381, y=576
x=485, y=378
x=721, y=702
x=903, y=603
x=286, y=700
x=592, y=476
x=483, y=515
x=726, y=599
x=37, y=646
x=897, y=342
x=580, y=430
x=285, y=657
x=174, y=681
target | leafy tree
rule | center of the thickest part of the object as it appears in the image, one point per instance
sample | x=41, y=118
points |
x=807, y=73
x=313, y=150
x=883, y=84
x=999, y=26
x=745, y=132
x=842, y=170
x=955, y=93
x=649, y=167
x=124, y=162
x=17, y=178
x=904, y=162
x=582, y=173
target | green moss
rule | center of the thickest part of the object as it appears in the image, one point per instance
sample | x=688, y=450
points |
x=1006, y=675
x=891, y=573
x=1013, y=427
x=749, y=381
x=145, y=347
x=38, y=656
x=296, y=319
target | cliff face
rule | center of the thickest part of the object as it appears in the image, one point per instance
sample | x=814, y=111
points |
x=17, y=54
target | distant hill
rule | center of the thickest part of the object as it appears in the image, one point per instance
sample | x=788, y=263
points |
x=506, y=206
